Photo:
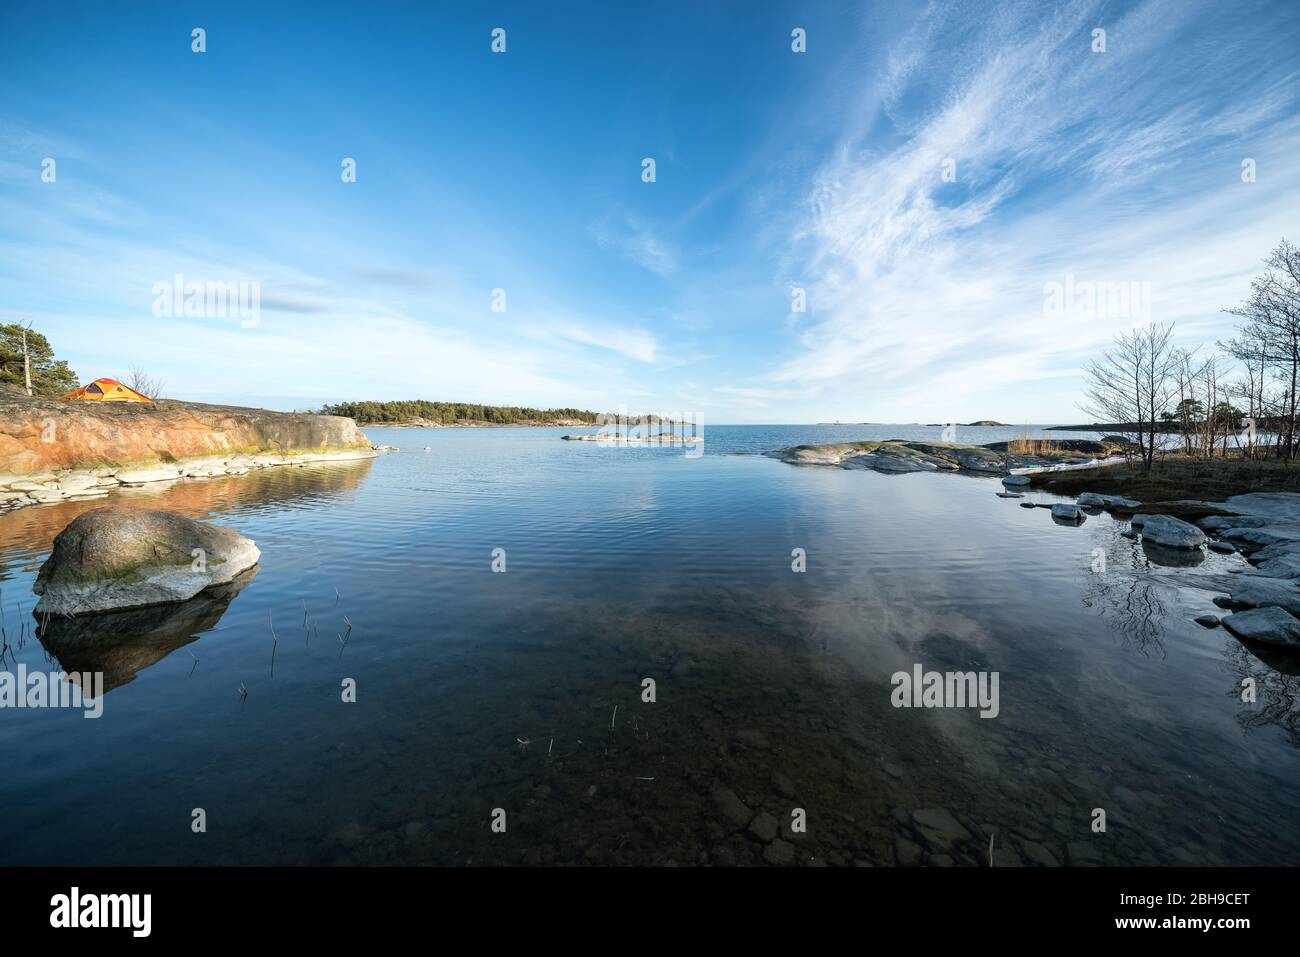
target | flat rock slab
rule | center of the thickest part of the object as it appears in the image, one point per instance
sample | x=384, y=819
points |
x=1261, y=537
x=116, y=558
x=1215, y=523
x=1283, y=566
x=1271, y=626
x=144, y=476
x=1249, y=591
x=1276, y=508
x=1275, y=551
x=1097, y=500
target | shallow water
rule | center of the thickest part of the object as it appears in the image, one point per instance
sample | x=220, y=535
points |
x=479, y=690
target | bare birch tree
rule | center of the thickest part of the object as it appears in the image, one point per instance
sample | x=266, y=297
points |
x=1272, y=322
x=1132, y=385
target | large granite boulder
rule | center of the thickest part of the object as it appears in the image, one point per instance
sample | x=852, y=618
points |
x=1168, y=532
x=116, y=558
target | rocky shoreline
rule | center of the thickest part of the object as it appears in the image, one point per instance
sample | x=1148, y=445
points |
x=897, y=455
x=74, y=485
x=53, y=450
x=1263, y=527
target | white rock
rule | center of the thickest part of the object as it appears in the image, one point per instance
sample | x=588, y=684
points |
x=140, y=476
x=46, y=496
x=77, y=482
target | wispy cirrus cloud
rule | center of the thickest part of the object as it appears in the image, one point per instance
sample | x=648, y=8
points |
x=1114, y=166
x=638, y=242
x=626, y=341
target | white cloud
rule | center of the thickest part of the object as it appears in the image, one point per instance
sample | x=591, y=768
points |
x=639, y=243
x=926, y=295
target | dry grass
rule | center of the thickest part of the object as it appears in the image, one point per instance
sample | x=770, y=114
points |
x=1178, y=478
x=1027, y=446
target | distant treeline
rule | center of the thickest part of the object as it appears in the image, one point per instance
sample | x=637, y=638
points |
x=452, y=413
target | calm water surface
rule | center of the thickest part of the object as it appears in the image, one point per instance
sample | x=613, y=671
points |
x=479, y=690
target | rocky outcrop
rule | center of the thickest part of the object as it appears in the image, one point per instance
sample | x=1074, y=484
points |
x=971, y=458
x=53, y=450
x=111, y=559
x=896, y=456
x=1265, y=526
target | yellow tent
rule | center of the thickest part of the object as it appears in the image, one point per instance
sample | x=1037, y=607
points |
x=106, y=390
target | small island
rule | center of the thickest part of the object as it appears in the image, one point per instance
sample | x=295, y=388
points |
x=423, y=414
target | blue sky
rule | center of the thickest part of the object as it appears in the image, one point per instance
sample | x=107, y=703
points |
x=522, y=171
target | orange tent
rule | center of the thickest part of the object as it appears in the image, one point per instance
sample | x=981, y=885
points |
x=106, y=390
